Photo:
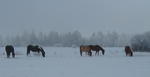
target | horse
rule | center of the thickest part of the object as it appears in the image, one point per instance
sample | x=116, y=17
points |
x=86, y=49
x=97, y=48
x=9, y=49
x=128, y=51
x=35, y=48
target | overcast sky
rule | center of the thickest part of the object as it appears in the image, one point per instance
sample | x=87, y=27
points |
x=87, y=16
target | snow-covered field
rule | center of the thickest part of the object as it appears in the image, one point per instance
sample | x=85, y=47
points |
x=66, y=62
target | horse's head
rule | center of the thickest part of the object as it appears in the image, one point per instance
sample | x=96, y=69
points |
x=103, y=51
x=128, y=51
x=42, y=51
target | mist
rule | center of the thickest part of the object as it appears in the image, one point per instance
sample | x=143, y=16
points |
x=86, y=16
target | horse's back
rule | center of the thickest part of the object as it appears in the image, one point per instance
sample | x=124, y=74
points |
x=9, y=48
x=32, y=47
x=96, y=47
x=85, y=48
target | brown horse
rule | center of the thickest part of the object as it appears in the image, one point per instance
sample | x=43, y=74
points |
x=128, y=51
x=86, y=49
x=97, y=48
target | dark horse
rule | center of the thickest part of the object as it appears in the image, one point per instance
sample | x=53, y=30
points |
x=35, y=48
x=97, y=48
x=10, y=49
x=86, y=49
x=128, y=51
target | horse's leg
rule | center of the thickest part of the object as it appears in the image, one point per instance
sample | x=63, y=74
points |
x=98, y=53
x=90, y=53
x=39, y=51
x=13, y=54
x=103, y=52
x=80, y=52
x=86, y=53
x=95, y=53
x=28, y=51
x=131, y=54
x=126, y=53
x=8, y=54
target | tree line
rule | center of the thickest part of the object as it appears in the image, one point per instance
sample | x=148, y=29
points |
x=70, y=39
x=141, y=42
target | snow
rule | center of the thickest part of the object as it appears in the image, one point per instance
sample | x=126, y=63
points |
x=66, y=62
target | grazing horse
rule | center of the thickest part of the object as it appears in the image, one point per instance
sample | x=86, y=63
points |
x=128, y=51
x=10, y=49
x=35, y=49
x=86, y=49
x=97, y=48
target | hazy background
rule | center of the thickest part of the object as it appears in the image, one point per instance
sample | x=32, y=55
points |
x=86, y=16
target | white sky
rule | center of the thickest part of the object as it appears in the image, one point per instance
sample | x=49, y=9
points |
x=87, y=16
